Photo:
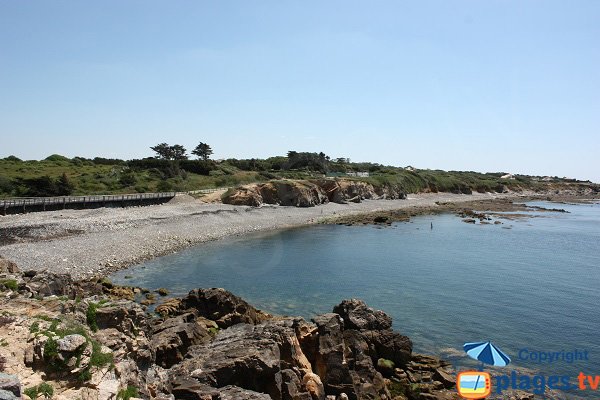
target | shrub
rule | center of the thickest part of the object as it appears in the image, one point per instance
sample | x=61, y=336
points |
x=90, y=316
x=126, y=394
x=57, y=157
x=9, y=284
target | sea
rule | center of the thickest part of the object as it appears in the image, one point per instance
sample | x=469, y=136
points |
x=530, y=285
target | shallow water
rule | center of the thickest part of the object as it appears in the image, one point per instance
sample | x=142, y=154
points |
x=535, y=285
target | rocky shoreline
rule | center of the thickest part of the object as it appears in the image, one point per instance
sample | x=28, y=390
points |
x=484, y=211
x=88, y=340
x=88, y=243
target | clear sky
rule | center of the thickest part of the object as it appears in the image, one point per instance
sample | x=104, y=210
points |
x=464, y=85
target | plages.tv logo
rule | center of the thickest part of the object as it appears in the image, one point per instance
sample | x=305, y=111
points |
x=473, y=384
x=478, y=384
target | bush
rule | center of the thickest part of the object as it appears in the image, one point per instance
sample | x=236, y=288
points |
x=126, y=394
x=90, y=317
x=9, y=284
x=43, y=389
x=57, y=157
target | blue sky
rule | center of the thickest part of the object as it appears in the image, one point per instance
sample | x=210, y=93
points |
x=463, y=85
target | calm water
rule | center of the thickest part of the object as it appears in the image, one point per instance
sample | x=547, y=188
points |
x=533, y=286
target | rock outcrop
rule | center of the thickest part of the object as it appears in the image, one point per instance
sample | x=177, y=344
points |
x=212, y=344
x=221, y=306
x=308, y=193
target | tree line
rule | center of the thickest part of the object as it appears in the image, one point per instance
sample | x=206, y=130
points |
x=177, y=152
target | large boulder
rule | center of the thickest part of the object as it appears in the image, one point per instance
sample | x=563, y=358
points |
x=171, y=338
x=357, y=315
x=251, y=357
x=223, y=307
x=389, y=345
x=124, y=315
x=49, y=284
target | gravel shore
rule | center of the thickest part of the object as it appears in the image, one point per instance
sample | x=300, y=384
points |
x=88, y=243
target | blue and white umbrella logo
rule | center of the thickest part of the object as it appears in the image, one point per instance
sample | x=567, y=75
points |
x=487, y=353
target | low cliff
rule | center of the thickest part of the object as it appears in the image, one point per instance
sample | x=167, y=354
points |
x=309, y=193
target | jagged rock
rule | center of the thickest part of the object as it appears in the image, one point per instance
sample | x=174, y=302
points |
x=49, y=284
x=444, y=377
x=192, y=390
x=390, y=345
x=368, y=383
x=249, y=356
x=10, y=383
x=330, y=362
x=171, y=339
x=125, y=316
x=357, y=315
x=168, y=307
x=8, y=267
x=223, y=307
x=291, y=386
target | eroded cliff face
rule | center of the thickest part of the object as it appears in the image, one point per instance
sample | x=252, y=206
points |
x=90, y=340
x=308, y=193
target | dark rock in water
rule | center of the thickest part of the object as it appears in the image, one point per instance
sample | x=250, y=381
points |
x=223, y=307
x=357, y=315
x=380, y=219
x=469, y=220
x=171, y=339
x=11, y=384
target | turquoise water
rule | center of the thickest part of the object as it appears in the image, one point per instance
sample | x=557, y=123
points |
x=535, y=285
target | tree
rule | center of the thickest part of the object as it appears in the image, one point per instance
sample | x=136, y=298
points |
x=64, y=186
x=167, y=152
x=203, y=151
x=163, y=150
x=178, y=152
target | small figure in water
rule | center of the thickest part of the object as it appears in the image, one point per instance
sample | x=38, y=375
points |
x=432, y=225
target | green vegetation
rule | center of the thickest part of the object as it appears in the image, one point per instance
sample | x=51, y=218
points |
x=9, y=284
x=126, y=394
x=34, y=328
x=59, y=329
x=171, y=170
x=43, y=389
x=90, y=316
